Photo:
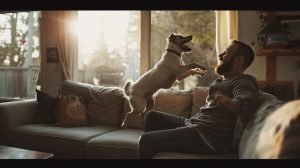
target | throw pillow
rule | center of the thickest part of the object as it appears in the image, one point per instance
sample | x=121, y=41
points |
x=167, y=100
x=199, y=98
x=104, y=104
x=70, y=110
x=45, y=113
x=174, y=102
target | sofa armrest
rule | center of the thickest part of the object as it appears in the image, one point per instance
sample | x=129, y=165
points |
x=13, y=114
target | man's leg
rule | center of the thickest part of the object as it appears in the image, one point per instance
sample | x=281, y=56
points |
x=181, y=139
x=155, y=120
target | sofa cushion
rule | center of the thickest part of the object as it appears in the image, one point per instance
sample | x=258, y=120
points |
x=118, y=144
x=69, y=141
x=45, y=108
x=177, y=102
x=104, y=104
x=70, y=110
x=249, y=138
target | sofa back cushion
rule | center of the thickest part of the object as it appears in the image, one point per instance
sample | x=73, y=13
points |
x=166, y=100
x=104, y=104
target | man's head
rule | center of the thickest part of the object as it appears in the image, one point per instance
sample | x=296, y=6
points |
x=236, y=58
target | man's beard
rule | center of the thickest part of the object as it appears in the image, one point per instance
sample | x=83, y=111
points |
x=224, y=67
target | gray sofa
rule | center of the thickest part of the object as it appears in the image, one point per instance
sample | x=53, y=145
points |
x=104, y=138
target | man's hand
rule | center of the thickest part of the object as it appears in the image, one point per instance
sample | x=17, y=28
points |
x=224, y=102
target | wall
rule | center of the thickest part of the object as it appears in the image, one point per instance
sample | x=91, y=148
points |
x=287, y=66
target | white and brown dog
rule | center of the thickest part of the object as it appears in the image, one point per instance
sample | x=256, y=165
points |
x=163, y=75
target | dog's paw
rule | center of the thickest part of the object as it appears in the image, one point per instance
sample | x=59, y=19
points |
x=198, y=72
x=199, y=66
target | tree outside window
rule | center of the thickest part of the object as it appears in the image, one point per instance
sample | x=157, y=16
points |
x=19, y=54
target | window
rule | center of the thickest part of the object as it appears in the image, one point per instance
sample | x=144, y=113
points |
x=19, y=54
x=110, y=43
x=109, y=49
x=200, y=24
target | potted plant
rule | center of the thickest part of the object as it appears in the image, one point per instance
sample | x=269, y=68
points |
x=273, y=33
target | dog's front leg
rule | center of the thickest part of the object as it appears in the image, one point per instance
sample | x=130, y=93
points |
x=187, y=67
x=189, y=73
x=190, y=69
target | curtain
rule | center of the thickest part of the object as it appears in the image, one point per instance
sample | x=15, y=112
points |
x=226, y=28
x=67, y=42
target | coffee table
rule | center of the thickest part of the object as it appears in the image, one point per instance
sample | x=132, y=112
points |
x=8, y=152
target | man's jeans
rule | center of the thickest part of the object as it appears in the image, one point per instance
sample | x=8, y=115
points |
x=168, y=133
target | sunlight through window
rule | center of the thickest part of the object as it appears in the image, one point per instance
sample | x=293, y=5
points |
x=108, y=46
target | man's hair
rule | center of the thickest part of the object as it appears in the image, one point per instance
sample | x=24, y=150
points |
x=246, y=51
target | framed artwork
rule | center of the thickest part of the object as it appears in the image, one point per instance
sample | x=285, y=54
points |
x=52, y=55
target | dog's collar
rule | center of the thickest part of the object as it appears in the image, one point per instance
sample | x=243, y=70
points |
x=175, y=52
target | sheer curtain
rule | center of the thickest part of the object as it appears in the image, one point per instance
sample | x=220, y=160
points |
x=67, y=42
x=226, y=28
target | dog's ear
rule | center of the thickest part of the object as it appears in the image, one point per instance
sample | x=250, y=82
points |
x=171, y=37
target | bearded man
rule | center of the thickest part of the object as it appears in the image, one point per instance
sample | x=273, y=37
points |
x=217, y=127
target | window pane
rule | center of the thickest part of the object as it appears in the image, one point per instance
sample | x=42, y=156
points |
x=19, y=54
x=109, y=47
x=200, y=24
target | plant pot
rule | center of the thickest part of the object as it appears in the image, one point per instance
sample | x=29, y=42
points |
x=277, y=40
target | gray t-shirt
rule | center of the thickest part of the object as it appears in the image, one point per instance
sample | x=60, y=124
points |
x=216, y=125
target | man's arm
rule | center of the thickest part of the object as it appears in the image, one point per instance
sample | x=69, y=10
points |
x=246, y=92
x=231, y=104
x=245, y=97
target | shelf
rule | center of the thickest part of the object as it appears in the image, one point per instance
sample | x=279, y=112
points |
x=278, y=52
x=270, y=55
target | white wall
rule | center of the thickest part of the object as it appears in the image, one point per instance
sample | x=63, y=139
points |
x=248, y=27
x=287, y=66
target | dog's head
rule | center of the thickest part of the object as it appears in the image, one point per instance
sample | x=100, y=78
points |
x=180, y=42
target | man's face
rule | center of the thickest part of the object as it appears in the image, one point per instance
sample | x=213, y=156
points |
x=225, y=60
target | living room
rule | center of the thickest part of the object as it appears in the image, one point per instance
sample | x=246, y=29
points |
x=105, y=48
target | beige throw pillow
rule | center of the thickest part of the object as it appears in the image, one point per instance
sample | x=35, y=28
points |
x=199, y=98
x=104, y=104
x=70, y=110
x=174, y=102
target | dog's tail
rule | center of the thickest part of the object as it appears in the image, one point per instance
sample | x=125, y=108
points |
x=127, y=87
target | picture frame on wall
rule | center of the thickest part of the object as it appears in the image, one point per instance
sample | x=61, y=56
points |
x=52, y=55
